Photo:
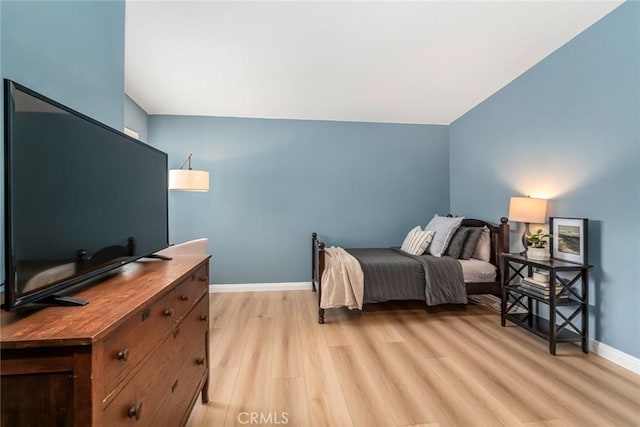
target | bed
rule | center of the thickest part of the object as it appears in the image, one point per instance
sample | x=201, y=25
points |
x=392, y=275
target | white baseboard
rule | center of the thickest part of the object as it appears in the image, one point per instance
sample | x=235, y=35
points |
x=616, y=356
x=260, y=287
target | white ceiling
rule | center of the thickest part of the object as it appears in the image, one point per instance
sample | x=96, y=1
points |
x=402, y=62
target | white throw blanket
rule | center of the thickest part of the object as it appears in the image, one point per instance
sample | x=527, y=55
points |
x=342, y=280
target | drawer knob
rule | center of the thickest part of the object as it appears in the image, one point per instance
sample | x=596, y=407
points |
x=203, y=279
x=200, y=361
x=184, y=297
x=203, y=317
x=123, y=355
x=168, y=312
x=135, y=411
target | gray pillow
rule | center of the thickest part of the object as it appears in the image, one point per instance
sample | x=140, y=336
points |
x=444, y=227
x=471, y=242
x=483, y=248
x=457, y=242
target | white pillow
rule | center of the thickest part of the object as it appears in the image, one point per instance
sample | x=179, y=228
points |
x=483, y=248
x=417, y=241
x=443, y=228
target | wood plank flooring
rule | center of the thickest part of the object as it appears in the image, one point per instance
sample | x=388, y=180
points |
x=273, y=364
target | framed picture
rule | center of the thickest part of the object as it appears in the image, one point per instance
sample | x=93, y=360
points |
x=569, y=241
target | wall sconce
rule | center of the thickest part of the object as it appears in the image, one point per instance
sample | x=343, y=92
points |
x=529, y=211
x=188, y=179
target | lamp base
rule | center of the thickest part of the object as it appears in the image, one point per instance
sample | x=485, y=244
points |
x=525, y=242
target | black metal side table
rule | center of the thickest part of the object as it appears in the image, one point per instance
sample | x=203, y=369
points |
x=572, y=280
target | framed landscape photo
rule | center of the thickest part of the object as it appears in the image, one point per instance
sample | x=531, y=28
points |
x=569, y=241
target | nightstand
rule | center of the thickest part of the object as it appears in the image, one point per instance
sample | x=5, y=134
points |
x=568, y=293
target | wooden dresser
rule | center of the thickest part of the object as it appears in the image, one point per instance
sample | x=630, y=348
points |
x=137, y=354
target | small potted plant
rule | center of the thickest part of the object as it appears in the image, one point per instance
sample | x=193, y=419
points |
x=538, y=245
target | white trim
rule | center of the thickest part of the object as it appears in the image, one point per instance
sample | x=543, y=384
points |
x=616, y=356
x=260, y=287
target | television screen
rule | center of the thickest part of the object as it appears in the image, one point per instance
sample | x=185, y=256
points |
x=80, y=198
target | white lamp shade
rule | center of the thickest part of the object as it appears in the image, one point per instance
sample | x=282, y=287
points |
x=528, y=209
x=188, y=180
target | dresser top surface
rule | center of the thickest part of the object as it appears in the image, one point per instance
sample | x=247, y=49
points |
x=111, y=302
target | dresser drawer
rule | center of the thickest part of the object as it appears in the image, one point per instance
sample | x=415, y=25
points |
x=124, y=349
x=195, y=326
x=140, y=399
x=174, y=409
x=190, y=290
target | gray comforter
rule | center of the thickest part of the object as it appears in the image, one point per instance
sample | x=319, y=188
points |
x=391, y=274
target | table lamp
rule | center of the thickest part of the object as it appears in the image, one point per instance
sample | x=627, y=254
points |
x=528, y=210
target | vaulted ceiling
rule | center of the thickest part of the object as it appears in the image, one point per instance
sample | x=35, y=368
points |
x=402, y=62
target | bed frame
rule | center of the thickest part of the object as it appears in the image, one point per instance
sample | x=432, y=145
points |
x=499, y=244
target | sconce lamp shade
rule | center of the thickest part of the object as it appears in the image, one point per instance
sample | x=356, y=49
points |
x=188, y=180
x=528, y=210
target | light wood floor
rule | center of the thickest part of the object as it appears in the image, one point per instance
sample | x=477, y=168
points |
x=454, y=366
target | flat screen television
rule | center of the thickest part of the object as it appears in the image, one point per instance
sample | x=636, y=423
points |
x=81, y=198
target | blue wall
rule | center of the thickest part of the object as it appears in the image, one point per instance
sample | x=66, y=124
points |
x=569, y=129
x=276, y=181
x=135, y=118
x=70, y=51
